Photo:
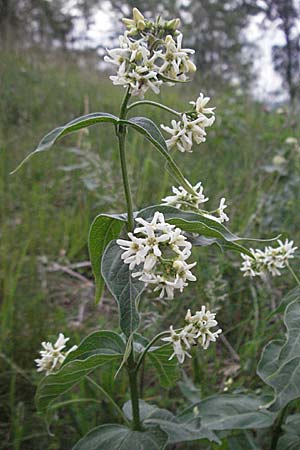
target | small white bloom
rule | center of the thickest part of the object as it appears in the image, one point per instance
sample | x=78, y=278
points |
x=160, y=251
x=202, y=322
x=200, y=105
x=53, y=355
x=181, y=342
x=272, y=259
x=183, y=199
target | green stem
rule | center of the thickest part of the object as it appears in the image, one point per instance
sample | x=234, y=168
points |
x=158, y=105
x=132, y=374
x=121, y=134
x=109, y=398
x=293, y=273
x=277, y=428
x=148, y=346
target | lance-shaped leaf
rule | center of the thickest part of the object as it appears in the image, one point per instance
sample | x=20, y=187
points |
x=70, y=127
x=104, y=229
x=230, y=412
x=125, y=289
x=192, y=222
x=150, y=130
x=118, y=437
x=177, y=430
x=94, y=351
x=290, y=439
x=279, y=366
x=243, y=441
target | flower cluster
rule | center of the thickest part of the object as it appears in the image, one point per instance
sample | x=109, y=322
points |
x=182, y=199
x=149, y=54
x=191, y=127
x=160, y=252
x=196, y=331
x=271, y=260
x=53, y=355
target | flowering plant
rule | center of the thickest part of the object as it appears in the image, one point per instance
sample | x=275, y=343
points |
x=152, y=249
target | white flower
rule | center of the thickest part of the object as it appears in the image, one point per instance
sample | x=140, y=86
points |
x=182, y=199
x=53, y=355
x=176, y=62
x=200, y=105
x=181, y=342
x=191, y=127
x=202, y=321
x=160, y=251
x=291, y=140
x=197, y=330
x=272, y=259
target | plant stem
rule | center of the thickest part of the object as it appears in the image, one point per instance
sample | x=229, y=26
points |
x=132, y=373
x=149, y=345
x=277, y=428
x=158, y=105
x=109, y=398
x=293, y=273
x=121, y=134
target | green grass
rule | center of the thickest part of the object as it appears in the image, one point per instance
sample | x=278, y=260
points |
x=46, y=213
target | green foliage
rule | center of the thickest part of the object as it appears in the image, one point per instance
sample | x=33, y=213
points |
x=279, y=366
x=125, y=289
x=290, y=439
x=117, y=437
x=231, y=412
x=177, y=428
x=167, y=370
x=101, y=347
x=104, y=229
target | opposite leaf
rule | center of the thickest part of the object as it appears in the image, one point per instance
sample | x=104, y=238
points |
x=70, y=127
x=94, y=351
x=230, y=412
x=290, y=440
x=150, y=130
x=117, y=437
x=104, y=229
x=125, y=289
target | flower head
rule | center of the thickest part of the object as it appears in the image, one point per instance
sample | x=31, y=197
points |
x=196, y=331
x=271, y=260
x=191, y=127
x=150, y=53
x=160, y=252
x=53, y=355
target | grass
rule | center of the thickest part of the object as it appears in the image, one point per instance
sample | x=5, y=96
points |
x=47, y=207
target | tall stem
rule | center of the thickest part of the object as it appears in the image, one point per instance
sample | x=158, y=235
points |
x=132, y=373
x=121, y=133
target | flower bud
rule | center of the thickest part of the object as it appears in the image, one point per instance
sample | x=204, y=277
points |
x=191, y=66
x=173, y=24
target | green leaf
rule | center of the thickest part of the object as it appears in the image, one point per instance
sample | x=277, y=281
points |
x=150, y=130
x=290, y=440
x=70, y=127
x=168, y=371
x=229, y=412
x=243, y=441
x=279, y=366
x=177, y=430
x=104, y=229
x=292, y=295
x=125, y=289
x=97, y=349
x=118, y=437
x=196, y=223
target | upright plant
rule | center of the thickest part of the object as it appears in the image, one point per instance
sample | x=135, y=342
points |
x=152, y=248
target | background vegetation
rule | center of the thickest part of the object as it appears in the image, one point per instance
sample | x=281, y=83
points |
x=46, y=209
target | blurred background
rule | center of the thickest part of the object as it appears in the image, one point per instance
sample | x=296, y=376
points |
x=52, y=70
